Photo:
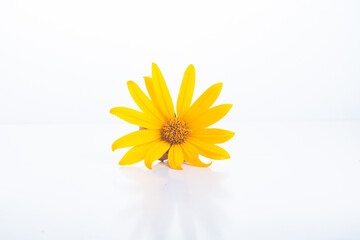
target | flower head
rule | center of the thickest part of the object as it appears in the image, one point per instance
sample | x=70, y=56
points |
x=183, y=135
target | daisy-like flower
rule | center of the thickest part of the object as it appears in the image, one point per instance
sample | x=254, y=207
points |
x=183, y=135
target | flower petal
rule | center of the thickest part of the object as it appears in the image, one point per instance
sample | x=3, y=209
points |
x=143, y=102
x=157, y=149
x=203, y=103
x=186, y=91
x=210, y=117
x=162, y=92
x=135, y=117
x=136, y=138
x=135, y=154
x=191, y=156
x=208, y=150
x=150, y=88
x=212, y=135
x=176, y=157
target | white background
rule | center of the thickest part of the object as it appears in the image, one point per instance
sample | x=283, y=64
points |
x=68, y=61
x=291, y=69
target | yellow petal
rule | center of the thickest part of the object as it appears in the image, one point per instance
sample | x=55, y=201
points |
x=176, y=157
x=191, y=156
x=210, y=117
x=143, y=101
x=186, y=91
x=156, y=150
x=162, y=92
x=136, y=138
x=135, y=117
x=150, y=88
x=208, y=150
x=203, y=103
x=212, y=135
x=135, y=154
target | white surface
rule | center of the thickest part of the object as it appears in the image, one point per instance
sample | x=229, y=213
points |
x=68, y=61
x=285, y=180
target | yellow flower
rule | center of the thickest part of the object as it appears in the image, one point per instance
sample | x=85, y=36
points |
x=183, y=135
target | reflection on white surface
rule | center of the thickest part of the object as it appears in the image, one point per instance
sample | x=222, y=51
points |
x=169, y=198
x=285, y=180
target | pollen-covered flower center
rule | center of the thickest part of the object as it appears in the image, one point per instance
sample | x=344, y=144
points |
x=174, y=131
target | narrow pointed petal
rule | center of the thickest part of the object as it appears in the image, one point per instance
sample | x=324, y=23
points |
x=210, y=117
x=186, y=91
x=208, y=150
x=150, y=88
x=162, y=92
x=157, y=149
x=203, y=103
x=136, y=138
x=135, y=117
x=143, y=102
x=135, y=154
x=191, y=156
x=212, y=135
x=176, y=157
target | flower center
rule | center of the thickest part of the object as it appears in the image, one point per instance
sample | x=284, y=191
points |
x=174, y=131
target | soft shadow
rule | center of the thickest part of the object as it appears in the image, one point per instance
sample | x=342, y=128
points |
x=186, y=201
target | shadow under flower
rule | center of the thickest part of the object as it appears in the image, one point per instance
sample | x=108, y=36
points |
x=183, y=202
